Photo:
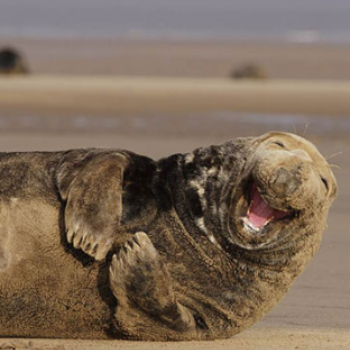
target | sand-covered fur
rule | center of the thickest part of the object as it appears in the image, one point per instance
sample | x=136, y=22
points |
x=98, y=243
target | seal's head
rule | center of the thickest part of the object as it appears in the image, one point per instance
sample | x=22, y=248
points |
x=285, y=185
x=254, y=193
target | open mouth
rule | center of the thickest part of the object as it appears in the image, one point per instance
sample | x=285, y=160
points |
x=260, y=213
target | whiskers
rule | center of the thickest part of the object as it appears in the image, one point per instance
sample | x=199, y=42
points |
x=335, y=166
x=306, y=125
x=305, y=129
x=295, y=130
x=334, y=155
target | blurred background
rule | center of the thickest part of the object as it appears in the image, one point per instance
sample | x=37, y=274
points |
x=160, y=76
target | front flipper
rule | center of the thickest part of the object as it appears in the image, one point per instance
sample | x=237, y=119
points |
x=139, y=280
x=91, y=185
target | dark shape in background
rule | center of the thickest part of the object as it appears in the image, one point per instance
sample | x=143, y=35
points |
x=12, y=62
x=250, y=71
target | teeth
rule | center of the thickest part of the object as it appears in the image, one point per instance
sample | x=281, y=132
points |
x=269, y=220
x=251, y=226
x=250, y=205
x=248, y=225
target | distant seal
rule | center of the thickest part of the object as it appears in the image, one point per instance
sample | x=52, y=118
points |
x=103, y=243
x=12, y=62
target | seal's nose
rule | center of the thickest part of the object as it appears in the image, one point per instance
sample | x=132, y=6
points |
x=287, y=182
x=287, y=179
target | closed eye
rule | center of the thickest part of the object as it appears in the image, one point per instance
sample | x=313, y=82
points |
x=278, y=143
x=325, y=183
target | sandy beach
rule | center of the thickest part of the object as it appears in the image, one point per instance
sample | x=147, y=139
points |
x=124, y=96
x=264, y=339
x=174, y=58
x=161, y=116
x=313, y=315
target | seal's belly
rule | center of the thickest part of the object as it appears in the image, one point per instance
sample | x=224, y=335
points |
x=44, y=290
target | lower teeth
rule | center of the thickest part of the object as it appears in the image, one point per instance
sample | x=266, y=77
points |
x=249, y=225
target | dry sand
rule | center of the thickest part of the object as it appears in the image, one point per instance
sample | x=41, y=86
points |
x=107, y=95
x=261, y=339
x=160, y=117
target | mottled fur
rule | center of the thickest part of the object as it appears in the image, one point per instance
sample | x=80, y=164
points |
x=75, y=261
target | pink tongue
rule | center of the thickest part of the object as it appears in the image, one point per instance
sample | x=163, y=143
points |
x=260, y=212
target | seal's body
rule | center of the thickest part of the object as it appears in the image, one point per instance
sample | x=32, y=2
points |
x=44, y=291
x=101, y=243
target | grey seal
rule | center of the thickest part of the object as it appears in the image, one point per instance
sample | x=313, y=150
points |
x=107, y=243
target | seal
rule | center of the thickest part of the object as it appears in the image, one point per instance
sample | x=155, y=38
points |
x=12, y=62
x=106, y=243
